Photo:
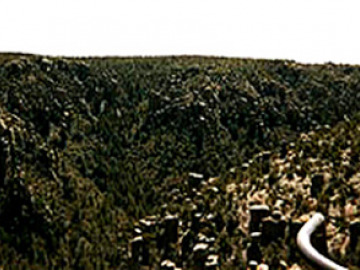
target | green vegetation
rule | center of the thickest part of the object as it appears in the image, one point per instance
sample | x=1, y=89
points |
x=95, y=152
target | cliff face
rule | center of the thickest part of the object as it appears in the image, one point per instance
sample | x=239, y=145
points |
x=90, y=147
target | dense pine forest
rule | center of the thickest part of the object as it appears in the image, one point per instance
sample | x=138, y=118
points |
x=176, y=162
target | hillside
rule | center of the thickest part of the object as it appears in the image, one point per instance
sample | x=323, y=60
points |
x=168, y=154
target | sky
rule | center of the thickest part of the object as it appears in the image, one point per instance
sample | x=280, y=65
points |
x=308, y=31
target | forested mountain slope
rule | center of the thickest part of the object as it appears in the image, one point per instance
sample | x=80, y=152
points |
x=90, y=147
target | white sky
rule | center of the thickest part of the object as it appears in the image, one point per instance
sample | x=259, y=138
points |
x=313, y=31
